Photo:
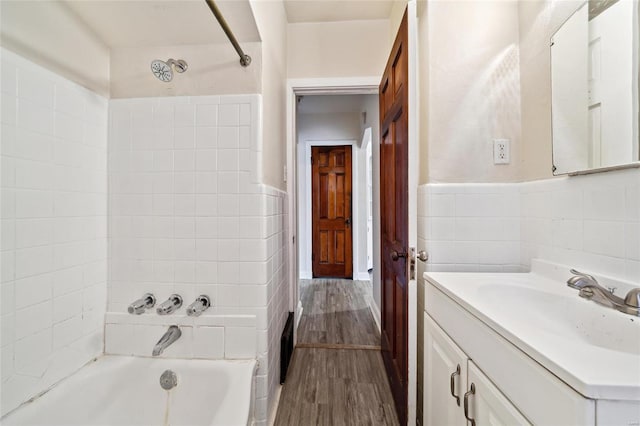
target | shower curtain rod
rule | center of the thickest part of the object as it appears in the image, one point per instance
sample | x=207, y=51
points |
x=245, y=59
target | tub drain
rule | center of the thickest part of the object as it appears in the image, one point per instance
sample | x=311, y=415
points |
x=168, y=380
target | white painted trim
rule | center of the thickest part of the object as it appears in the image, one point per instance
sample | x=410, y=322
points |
x=306, y=275
x=413, y=176
x=340, y=85
x=274, y=406
x=375, y=311
x=307, y=233
x=362, y=276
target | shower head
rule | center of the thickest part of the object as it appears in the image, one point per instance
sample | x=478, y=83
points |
x=164, y=70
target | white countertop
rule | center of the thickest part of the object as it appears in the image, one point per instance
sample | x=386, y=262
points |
x=592, y=348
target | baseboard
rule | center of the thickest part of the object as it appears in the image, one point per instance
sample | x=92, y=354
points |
x=299, y=316
x=306, y=275
x=362, y=276
x=376, y=313
x=274, y=406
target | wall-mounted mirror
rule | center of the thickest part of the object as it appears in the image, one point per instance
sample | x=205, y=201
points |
x=594, y=86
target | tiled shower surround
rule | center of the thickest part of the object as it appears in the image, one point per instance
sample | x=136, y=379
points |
x=186, y=216
x=103, y=201
x=590, y=222
x=54, y=228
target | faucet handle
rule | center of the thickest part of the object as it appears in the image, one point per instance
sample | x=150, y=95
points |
x=201, y=304
x=582, y=274
x=633, y=298
x=138, y=307
x=170, y=305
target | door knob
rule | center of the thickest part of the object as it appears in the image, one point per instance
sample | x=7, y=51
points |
x=423, y=255
x=395, y=255
x=347, y=221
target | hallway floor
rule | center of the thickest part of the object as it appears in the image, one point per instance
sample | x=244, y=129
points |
x=336, y=376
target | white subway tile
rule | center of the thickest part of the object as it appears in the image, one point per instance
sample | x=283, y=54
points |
x=229, y=137
x=206, y=160
x=35, y=117
x=206, y=137
x=240, y=342
x=184, y=138
x=605, y=238
x=206, y=115
x=33, y=319
x=228, y=115
x=66, y=332
x=208, y=342
x=33, y=261
x=184, y=115
x=33, y=348
x=604, y=203
x=33, y=290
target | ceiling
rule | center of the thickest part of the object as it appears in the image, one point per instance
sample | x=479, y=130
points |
x=145, y=23
x=337, y=10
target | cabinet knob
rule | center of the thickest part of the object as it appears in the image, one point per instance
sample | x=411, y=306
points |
x=452, y=384
x=472, y=391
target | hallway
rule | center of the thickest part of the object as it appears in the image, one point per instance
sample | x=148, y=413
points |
x=336, y=376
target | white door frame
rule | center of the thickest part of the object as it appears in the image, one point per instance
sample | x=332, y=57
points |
x=306, y=234
x=310, y=86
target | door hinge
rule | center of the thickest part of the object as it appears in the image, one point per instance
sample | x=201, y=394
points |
x=312, y=159
x=313, y=257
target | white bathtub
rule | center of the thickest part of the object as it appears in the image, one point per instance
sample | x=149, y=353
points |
x=122, y=390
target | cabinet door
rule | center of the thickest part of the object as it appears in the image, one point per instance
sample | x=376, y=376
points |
x=445, y=372
x=487, y=405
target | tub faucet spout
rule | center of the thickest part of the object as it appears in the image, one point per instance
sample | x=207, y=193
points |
x=172, y=334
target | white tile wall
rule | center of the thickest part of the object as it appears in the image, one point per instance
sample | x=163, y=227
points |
x=187, y=216
x=470, y=227
x=590, y=222
x=54, y=227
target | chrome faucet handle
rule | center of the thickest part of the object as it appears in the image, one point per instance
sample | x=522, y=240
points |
x=582, y=274
x=633, y=298
x=201, y=304
x=170, y=305
x=138, y=307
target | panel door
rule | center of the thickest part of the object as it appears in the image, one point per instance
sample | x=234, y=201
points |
x=445, y=374
x=331, y=211
x=394, y=233
x=488, y=406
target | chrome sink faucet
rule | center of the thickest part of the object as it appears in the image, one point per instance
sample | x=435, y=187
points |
x=170, y=336
x=590, y=289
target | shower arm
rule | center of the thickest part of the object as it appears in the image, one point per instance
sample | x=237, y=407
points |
x=245, y=59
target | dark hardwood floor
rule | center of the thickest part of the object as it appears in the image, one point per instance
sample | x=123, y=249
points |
x=331, y=379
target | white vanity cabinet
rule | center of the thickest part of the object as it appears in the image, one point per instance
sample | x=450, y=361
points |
x=445, y=381
x=486, y=404
x=452, y=382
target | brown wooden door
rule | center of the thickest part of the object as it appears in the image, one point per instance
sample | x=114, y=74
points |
x=394, y=218
x=331, y=200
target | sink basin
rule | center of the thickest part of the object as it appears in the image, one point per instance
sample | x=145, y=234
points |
x=567, y=315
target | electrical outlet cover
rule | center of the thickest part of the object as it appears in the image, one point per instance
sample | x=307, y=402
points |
x=501, y=151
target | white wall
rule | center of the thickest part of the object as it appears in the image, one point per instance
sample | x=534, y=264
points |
x=271, y=20
x=214, y=69
x=188, y=216
x=473, y=89
x=54, y=228
x=50, y=34
x=337, y=49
